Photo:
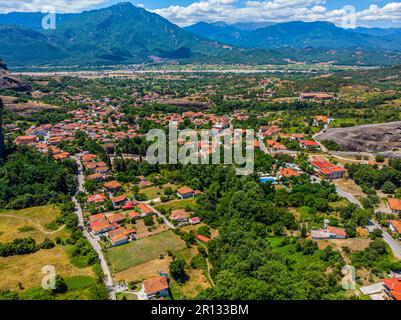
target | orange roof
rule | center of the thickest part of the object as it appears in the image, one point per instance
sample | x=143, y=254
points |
x=309, y=143
x=117, y=237
x=88, y=157
x=337, y=231
x=146, y=209
x=97, y=217
x=102, y=169
x=116, y=217
x=99, y=226
x=26, y=138
x=112, y=185
x=288, y=172
x=397, y=225
x=394, y=286
x=119, y=199
x=155, y=284
x=97, y=198
x=133, y=214
x=179, y=214
x=185, y=190
x=394, y=204
x=61, y=156
x=202, y=238
x=322, y=118
x=95, y=176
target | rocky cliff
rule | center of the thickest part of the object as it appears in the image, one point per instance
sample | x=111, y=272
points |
x=9, y=82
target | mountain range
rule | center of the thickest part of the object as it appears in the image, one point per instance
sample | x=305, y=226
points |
x=298, y=34
x=125, y=34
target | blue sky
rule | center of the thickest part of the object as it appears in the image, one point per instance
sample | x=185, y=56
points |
x=383, y=13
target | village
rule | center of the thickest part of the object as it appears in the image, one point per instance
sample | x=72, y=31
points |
x=114, y=216
x=155, y=227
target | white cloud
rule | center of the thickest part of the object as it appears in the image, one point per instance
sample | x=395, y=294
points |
x=274, y=11
x=41, y=5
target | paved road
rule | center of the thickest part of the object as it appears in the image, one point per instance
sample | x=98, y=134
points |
x=315, y=137
x=394, y=244
x=166, y=221
x=348, y=196
x=108, y=279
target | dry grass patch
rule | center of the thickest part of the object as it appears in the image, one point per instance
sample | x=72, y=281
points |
x=348, y=185
x=27, y=269
x=11, y=222
x=144, y=271
x=196, y=283
x=355, y=244
x=189, y=228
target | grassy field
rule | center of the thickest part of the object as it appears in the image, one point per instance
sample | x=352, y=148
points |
x=154, y=192
x=143, y=250
x=29, y=222
x=27, y=269
x=178, y=204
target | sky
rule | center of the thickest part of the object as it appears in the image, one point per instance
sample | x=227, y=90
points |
x=368, y=13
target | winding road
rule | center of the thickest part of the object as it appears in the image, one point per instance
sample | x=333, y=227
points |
x=108, y=279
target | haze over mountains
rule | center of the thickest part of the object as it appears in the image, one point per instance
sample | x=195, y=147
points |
x=125, y=34
x=300, y=34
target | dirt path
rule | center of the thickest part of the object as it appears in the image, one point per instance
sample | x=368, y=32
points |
x=208, y=271
x=34, y=222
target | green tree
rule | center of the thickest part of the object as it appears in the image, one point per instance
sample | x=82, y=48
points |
x=177, y=270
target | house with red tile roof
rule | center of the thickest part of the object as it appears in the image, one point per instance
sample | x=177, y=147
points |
x=89, y=157
x=61, y=156
x=145, y=209
x=395, y=226
x=120, y=236
x=119, y=201
x=309, y=144
x=134, y=215
x=97, y=198
x=96, y=176
x=393, y=285
x=327, y=169
x=156, y=286
x=394, y=205
x=194, y=220
x=97, y=217
x=275, y=146
x=329, y=233
x=102, y=170
x=112, y=185
x=179, y=215
x=185, y=192
x=116, y=218
x=129, y=205
x=99, y=227
x=25, y=140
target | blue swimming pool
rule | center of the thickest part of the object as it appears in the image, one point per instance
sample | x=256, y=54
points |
x=268, y=179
